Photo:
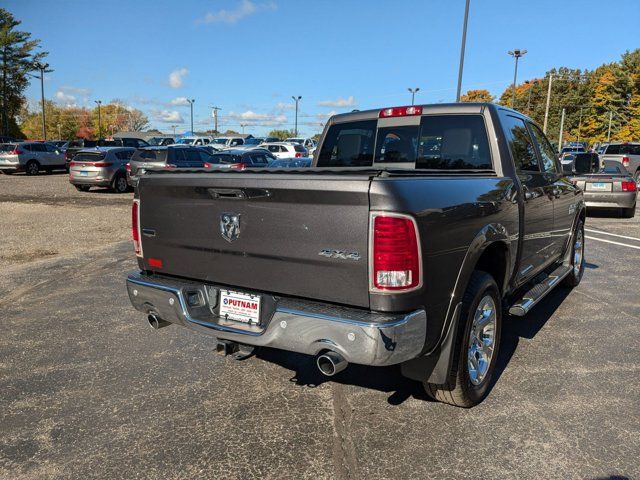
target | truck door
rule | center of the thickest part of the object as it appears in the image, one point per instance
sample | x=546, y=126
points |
x=562, y=191
x=537, y=221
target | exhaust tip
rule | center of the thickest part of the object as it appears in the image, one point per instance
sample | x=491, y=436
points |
x=331, y=363
x=156, y=322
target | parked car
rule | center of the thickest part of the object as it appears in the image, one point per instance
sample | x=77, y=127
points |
x=457, y=213
x=161, y=141
x=626, y=154
x=60, y=144
x=165, y=158
x=286, y=150
x=228, y=142
x=31, y=158
x=307, y=143
x=240, y=159
x=75, y=146
x=5, y=139
x=606, y=188
x=100, y=167
x=123, y=142
x=569, y=160
x=290, y=163
x=572, y=149
x=194, y=141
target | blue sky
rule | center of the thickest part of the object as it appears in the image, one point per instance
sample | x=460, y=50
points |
x=250, y=56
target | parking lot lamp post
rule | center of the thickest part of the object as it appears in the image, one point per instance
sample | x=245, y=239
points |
x=243, y=125
x=215, y=117
x=516, y=54
x=191, y=102
x=174, y=129
x=413, y=92
x=561, y=130
x=296, y=99
x=464, y=41
x=99, y=102
x=609, y=131
x=43, y=67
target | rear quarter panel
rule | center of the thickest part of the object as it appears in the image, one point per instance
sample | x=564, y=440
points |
x=453, y=214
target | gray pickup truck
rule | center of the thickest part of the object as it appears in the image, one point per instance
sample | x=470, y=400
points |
x=415, y=229
x=626, y=154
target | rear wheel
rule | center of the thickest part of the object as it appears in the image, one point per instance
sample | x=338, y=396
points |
x=32, y=167
x=82, y=188
x=120, y=184
x=478, y=339
x=577, y=257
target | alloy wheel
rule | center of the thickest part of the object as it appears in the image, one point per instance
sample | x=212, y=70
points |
x=481, y=340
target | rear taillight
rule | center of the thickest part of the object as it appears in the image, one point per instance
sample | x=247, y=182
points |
x=239, y=166
x=625, y=161
x=127, y=167
x=395, y=253
x=17, y=151
x=298, y=155
x=169, y=166
x=400, y=112
x=135, y=227
x=207, y=165
x=629, y=186
x=101, y=164
x=73, y=164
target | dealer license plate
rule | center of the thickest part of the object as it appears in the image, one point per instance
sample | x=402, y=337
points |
x=605, y=187
x=240, y=307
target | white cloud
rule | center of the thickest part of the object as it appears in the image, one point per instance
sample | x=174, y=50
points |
x=244, y=9
x=324, y=116
x=180, y=102
x=280, y=106
x=176, y=78
x=252, y=117
x=65, y=99
x=338, y=103
x=84, y=92
x=167, y=116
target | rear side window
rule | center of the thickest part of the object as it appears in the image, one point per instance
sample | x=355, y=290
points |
x=520, y=144
x=348, y=145
x=613, y=150
x=453, y=142
x=223, y=159
x=299, y=148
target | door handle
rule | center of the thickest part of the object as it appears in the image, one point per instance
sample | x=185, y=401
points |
x=237, y=193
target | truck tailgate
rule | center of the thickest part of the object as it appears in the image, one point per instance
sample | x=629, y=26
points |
x=284, y=221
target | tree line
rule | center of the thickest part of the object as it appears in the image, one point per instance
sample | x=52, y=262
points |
x=592, y=100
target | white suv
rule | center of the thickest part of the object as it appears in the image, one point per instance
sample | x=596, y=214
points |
x=286, y=150
x=305, y=142
x=228, y=142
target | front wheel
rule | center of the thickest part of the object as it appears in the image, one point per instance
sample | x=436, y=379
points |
x=478, y=339
x=577, y=257
x=120, y=184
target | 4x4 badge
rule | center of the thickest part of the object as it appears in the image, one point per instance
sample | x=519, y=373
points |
x=230, y=226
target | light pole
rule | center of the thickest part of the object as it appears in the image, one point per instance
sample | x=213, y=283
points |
x=243, y=125
x=191, y=102
x=215, y=117
x=296, y=99
x=609, y=131
x=413, y=92
x=516, y=53
x=174, y=129
x=464, y=41
x=43, y=68
x=99, y=102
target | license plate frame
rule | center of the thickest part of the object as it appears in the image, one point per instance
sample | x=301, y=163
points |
x=240, y=307
x=599, y=186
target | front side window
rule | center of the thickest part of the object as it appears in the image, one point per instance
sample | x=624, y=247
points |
x=348, y=145
x=547, y=153
x=520, y=144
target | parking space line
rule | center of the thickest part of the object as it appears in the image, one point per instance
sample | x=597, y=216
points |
x=611, y=234
x=611, y=241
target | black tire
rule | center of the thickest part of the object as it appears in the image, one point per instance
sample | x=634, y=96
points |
x=82, y=188
x=459, y=390
x=629, y=212
x=573, y=279
x=32, y=167
x=119, y=184
x=636, y=176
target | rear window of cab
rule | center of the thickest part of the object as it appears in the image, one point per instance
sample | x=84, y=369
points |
x=442, y=142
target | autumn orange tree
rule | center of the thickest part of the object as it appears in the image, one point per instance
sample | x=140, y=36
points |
x=477, y=96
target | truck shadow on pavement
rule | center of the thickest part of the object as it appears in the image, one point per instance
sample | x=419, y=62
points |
x=390, y=380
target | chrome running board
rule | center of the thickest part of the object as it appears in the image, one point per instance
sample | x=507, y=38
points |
x=539, y=291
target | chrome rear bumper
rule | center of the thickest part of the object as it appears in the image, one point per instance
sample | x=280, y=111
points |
x=360, y=336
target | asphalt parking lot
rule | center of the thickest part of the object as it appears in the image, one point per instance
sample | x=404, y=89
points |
x=88, y=390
